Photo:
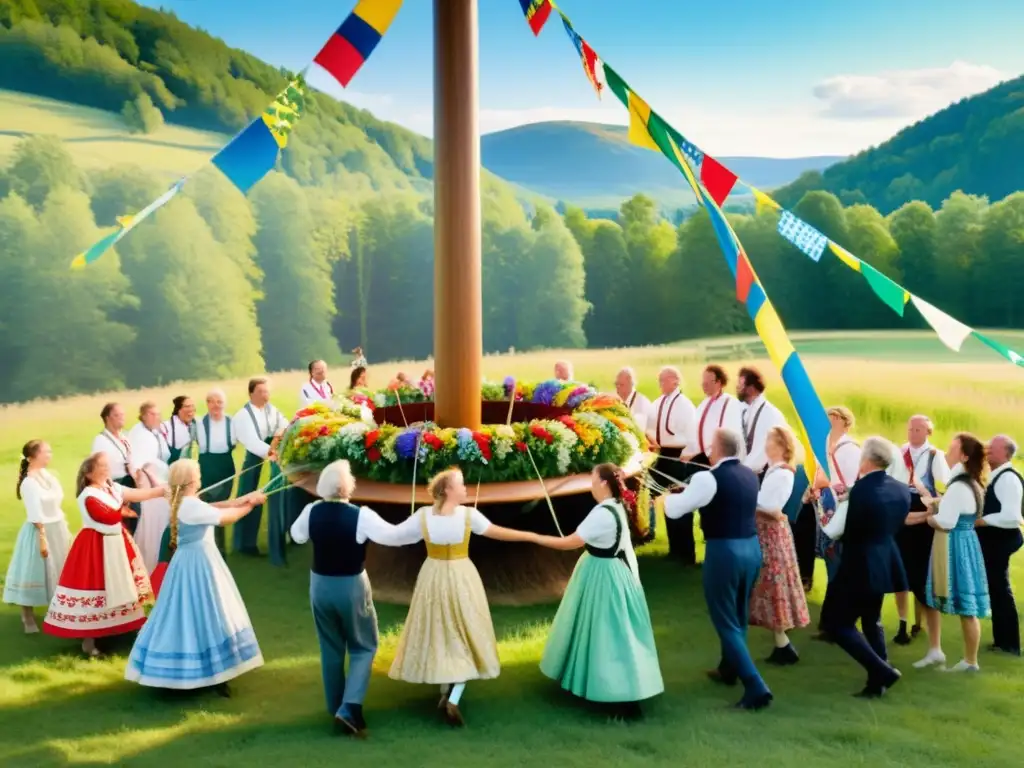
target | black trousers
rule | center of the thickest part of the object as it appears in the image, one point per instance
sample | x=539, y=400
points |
x=997, y=546
x=805, y=535
x=839, y=616
x=681, y=544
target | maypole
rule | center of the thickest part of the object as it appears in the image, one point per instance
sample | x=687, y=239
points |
x=458, y=301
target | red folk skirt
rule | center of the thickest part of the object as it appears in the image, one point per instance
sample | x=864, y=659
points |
x=79, y=607
x=778, y=602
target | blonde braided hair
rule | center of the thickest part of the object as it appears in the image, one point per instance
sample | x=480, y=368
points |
x=184, y=474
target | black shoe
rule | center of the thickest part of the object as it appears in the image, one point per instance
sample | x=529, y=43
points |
x=754, y=703
x=717, y=676
x=783, y=657
x=902, y=638
x=1000, y=649
x=915, y=631
x=346, y=726
x=223, y=690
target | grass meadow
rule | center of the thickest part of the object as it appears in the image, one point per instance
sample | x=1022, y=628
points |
x=61, y=709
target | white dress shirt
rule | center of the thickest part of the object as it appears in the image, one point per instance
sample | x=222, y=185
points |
x=919, y=458
x=442, y=529
x=177, y=432
x=42, y=497
x=252, y=436
x=118, y=451
x=677, y=418
x=698, y=493
x=640, y=406
x=956, y=501
x=722, y=412
x=776, y=488
x=758, y=419
x=1010, y=494
x=844, y=463
x=220, y=439
x=313, y=392
x=148, y=446
x=370, y=526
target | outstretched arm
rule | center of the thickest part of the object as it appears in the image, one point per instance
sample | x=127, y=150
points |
x=509, y=534
x=133, y=495
x=565, y=543
x=236, y=513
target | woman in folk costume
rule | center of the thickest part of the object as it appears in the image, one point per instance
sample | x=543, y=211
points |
x=43, y=541
x=448, y=638
x=834, y=491
x=778, y=602
x=199, y=634
x=601, y=645
x=339, y=591
x=114, y=443
x=104, y=582
x=357, y=379
x=152, y=453
x=180, y=429
x=956, y=583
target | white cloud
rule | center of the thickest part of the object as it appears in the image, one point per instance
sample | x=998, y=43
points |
x=906, y=93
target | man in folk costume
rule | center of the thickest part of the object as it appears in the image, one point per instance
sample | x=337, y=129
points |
x=923, y=463
x=318, y=389
x=113, y=442
x=999, y=534
x=255, y=427
x=759, y=417
x=638, y=404
x=216, y=461
x=718, y=410
x=673, y=431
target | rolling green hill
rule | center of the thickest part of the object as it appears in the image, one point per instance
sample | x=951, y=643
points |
x=595, y=166
x=974, y=146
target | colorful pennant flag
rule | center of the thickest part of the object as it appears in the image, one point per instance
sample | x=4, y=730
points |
x=349, y=48
x=717, y=179
x=592, y=65
x=762, y=202
x=639, y=111
x=951, y=331
x=802, y=235
x=537, y=13
x=1003, y=350
x=252, y=154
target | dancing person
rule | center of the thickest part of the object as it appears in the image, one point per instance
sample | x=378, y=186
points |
x=180, y=429
x=318, y=389
x=870, y=568
x=601, y=644
x=834, y=490
x=152, y=455
x=199, y=634
x=357, y=379
x=717, y=410
x=1000, y=537
x=637, y=402
x=104, y=582
x=563, y=370
x=955, y=582
x=758, y=418
x=114, y=443
x=448, y=637
x=727, y=497
x=925, y=465
x=778, y=602
x=674, y=432
x=255, y=427
x=41, y=547
x=216, y=441
x=340, y=593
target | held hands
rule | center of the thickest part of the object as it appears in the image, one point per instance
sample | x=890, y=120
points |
x=255, y=498
x=129, y=513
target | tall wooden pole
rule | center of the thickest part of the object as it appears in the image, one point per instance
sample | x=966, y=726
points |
x=458, y=303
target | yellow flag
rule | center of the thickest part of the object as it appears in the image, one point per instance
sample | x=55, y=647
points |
x=845, y=256
x=639, y=115
x=762, y=202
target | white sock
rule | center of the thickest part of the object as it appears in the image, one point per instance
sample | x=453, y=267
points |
x=963, y=666
x=456, y=694
x=934, y=656
x=781, y=640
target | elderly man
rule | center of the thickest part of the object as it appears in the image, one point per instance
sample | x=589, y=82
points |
x=727, y=497
x=923, y=463
x=870, y=568
x=216, y=462
x=639, y=405
x=1000, y=537
x=673, y=430
x=563, y=370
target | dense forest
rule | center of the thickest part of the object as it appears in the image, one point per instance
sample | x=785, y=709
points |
x=974, y=145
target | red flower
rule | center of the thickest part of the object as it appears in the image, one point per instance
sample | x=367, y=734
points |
x=324, y=430
x=432, y=440
x=373, y=454
x=371, y=438
x=567, y=421
x=483, y=442
x=304, y=412
x=542, y=434
x=521, y=446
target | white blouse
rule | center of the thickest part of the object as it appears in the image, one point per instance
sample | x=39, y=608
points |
x=148, y=446
x=42, y=496
x=113, y=499
x=956, y=501
x=195, y=511
x=776, y=488
x=598, y=527
x=442, y=529
x=177, y=433
x=118, y=451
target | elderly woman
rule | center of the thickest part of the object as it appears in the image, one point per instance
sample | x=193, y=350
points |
x=956, y=582
x=339, y=591
x=778, y=602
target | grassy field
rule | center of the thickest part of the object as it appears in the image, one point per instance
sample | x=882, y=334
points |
x=60, y=709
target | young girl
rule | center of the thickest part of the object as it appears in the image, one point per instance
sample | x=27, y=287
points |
x=104, y=582
x=42, y=544
x=601, y=646
x=448, y=637
x=199, y=634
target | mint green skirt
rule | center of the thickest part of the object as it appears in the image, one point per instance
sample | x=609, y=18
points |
x=601, y=645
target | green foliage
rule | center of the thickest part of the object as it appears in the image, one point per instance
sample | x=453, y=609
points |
x=141, y=115
x=39, y=165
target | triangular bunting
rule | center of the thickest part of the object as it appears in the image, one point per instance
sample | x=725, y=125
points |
x=639, y=115
x=951, y=331
x=718, y=180
x=762, y=202
x=845, y=256
x=892, y=294
x=1002, y=349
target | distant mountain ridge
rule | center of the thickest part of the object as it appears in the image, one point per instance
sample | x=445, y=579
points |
x=588, y=164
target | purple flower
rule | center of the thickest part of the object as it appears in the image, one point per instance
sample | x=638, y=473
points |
x=577, y=397
x=405, y=443
x=464, y=436
x=510, y=385
x=545, y=392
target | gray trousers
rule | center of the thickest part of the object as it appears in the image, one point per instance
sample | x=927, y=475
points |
x=346, y=625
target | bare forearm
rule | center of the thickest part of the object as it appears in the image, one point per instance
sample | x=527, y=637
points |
x=559, y=542
x=508, y=534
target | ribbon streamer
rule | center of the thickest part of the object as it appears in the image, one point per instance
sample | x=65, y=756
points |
x=544, y=488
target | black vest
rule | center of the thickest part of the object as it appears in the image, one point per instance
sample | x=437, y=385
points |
x=332, y=530
x=992, y=503
x=730, y=514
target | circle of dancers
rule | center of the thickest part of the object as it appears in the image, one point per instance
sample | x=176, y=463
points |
x=934, y=528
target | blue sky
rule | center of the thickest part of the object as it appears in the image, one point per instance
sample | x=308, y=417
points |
x=738, y=77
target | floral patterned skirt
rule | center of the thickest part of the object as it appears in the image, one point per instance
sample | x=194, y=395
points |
x=778, y=602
